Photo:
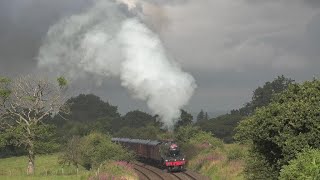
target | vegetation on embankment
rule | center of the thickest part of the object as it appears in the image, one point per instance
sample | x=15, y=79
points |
x=221, y=163
x=209, y=156
x=48, y=167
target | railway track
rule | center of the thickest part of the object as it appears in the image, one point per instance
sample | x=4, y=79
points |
x=183, y=176
x=147, y=172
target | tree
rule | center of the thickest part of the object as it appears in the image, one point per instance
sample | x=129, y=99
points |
x=137, y=119
x=200, y=116
x=87, y=113
x=96, y=148
x=185, y=119
x=206, y=117
x=223, y=126
x=262, y=96
x=88, y=108
x=281, y=130
x=25, y=103
x=72, y=152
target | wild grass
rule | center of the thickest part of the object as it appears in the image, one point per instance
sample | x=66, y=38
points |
x=224, y=163
x=48, y=168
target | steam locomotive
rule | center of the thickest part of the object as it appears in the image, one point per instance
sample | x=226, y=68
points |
x=164, y=153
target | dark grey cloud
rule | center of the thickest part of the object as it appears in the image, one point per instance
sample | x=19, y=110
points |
x=230, y=47
x=167, y=2
x=313, y=3
x=23, y=24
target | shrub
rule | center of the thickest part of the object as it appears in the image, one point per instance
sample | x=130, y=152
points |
x=305, y=166
x=236, y=152
x=184, y=133
x=93, y=150
x=206, y=140
x=115, y=170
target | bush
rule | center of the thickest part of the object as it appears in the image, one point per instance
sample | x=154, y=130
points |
x=206, y=141
x=184, y=133
x=305, y=166
x=92, y=150
x=195, y=141
x=236, y=152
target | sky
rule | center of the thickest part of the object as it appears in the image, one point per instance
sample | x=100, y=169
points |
x=229, y=47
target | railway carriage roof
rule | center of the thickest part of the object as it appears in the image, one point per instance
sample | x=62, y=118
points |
x=137, y=141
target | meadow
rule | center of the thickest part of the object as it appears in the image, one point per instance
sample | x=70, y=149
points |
x=47, y=167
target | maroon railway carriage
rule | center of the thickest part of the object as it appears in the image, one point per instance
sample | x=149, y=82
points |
x=165, y=154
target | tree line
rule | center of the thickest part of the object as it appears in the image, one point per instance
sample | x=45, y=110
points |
x=280, y=126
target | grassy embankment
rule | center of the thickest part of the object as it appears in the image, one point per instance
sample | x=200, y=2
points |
x=223, y=163
x=47, y=167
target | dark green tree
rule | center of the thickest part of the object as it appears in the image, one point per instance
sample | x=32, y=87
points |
x=223, y=126
x=282, y=129
x=88, y=108
x=185, y=119
x=87, y=113
x=206, y=117
x=262, y=96
x=136, y=119
x=200, y=116
x=97, y=148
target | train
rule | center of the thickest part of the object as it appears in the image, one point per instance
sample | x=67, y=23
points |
x=165, y=154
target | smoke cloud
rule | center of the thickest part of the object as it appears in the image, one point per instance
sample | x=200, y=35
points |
x=112, y=39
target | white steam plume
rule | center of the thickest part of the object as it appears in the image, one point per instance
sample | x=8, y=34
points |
x=111, y=39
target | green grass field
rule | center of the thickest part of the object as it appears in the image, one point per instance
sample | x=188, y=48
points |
x=47, y=167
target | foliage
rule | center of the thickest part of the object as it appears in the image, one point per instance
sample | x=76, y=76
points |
x=215, y=163
x=279, y=131
x=45, y=140
x=206, y=139
x=262, y=96
x=71, y=152
x=62, y=81
x=92, y=150
x=185, y=133
x=257, y=167
x=87, y=113
x=193, y=140
x=200, y=116
x=31, y=100
x=236, y=152
x=88, y=108
x=4, y=89
x=224, y=125
x=305, y=166
x=184, y=120
x=137, y=119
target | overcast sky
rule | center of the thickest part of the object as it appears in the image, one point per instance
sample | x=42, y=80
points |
x=229, y=46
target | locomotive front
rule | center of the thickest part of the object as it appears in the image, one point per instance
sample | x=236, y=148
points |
x=173, y=159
